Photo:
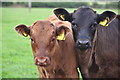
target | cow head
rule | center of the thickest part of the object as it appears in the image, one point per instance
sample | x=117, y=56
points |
x=84, y=24
x=45, y=38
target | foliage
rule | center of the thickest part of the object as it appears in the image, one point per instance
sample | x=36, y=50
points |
x=17, y=57
x=64, y=4
x=59, y=4
x=112, y=5
x=7, y=3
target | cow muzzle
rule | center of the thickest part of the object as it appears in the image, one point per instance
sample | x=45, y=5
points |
x=42, y=61
x=83, y=45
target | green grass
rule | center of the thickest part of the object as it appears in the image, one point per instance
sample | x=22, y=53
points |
x=0, y=42
x=17, y=56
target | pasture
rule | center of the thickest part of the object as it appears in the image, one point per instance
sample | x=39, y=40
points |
x=17, y=56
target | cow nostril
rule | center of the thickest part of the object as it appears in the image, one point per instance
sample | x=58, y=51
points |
x=83, y=44
x=79, y=43
x=87, y=44
x=42, y=61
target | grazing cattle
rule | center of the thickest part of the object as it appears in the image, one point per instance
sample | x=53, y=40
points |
x=53, y=47
x=96, y=40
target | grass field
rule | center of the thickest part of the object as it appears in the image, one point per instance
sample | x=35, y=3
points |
x=0, y=42
x=17, y=56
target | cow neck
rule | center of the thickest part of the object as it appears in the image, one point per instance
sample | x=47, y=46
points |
x=93, y=50
x=91, y=56
x=59, y=68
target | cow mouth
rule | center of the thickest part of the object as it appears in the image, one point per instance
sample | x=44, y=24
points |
x=42, y=64
x=83, y=48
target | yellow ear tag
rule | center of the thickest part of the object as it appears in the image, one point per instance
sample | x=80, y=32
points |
x=25, y=34
x=62, y=16
x=61, y=36
x=104, y=23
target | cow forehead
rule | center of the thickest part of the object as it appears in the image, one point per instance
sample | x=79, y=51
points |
x=47, y=26
x=42, y=26
x=85, y=9
x=84, y=16
x=83, y=12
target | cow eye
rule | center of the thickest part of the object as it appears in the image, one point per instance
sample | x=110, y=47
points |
x=95, y=23
x=74, y=26
x=73, y=23
x=31, y=39
x=53, y=39
x=93, y=27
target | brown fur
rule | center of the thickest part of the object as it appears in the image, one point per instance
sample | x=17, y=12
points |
x=63, y=59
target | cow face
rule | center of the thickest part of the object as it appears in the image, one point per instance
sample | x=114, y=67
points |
x=45, y=39
x=84, y=23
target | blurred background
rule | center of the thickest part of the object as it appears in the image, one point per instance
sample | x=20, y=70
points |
x=17, y=58
x=97, y=4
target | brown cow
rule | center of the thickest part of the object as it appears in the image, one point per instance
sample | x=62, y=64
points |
x=53, y=47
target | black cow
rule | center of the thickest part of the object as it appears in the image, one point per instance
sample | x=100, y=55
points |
x=96, y=39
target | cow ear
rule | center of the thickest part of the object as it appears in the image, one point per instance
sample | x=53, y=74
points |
x=106, y=18
x=63, y=14
x=23, y=30
x=62, y=32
